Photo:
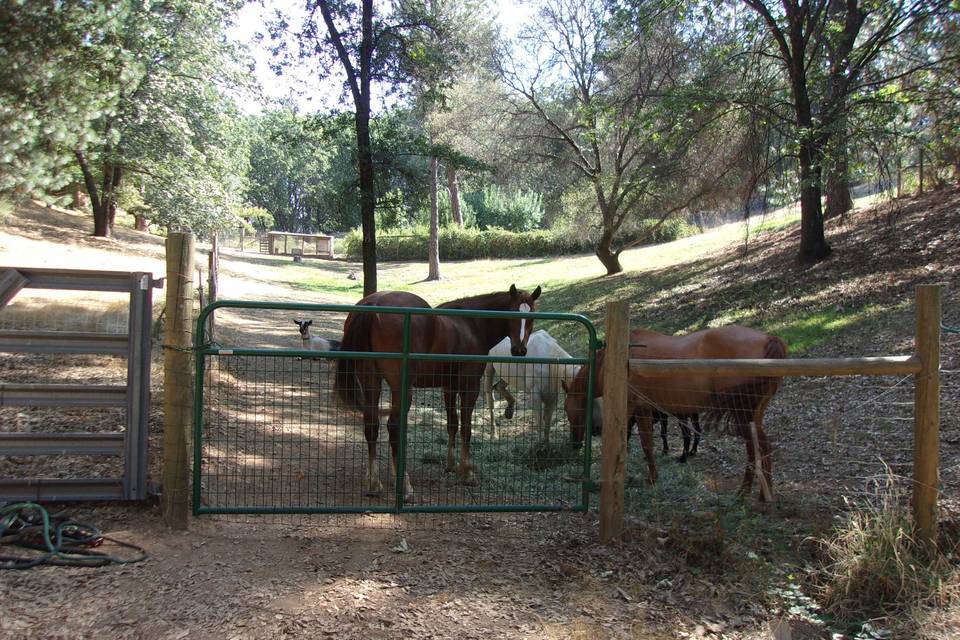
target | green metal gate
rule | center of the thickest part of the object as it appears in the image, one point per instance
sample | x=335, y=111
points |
x=271, y=437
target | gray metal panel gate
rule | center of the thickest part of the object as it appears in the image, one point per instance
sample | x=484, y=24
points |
x=134, y=397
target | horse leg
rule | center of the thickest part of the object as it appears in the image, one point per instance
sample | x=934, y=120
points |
x=766, y=460
x=504, y=392
x=542, y=430
x=488, y=398
x=747, y=485
x=695, y=422
x=662, y=419
x=645, y=428
x=468, y=400
x=549, y=401
x=371, y=432
x=685, y=434
x=450, y=403
x=393, y=429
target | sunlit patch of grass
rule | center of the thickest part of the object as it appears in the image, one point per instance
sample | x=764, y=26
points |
x=802, y=332
x=775, y=224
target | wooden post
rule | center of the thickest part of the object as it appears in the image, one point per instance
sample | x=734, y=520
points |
x=177, y=379
x=926, y=431
x=212, y=268
x=614, y=443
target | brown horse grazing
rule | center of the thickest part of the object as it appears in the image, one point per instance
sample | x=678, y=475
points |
x=359, y=381
x=741, y=400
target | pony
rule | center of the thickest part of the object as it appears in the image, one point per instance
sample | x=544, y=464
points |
x=541, y=380
x=741, y=400
x=359, y=381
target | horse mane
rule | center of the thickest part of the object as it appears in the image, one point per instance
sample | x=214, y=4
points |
x=494, y=300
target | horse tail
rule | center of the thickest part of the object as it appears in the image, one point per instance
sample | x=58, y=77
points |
x=737, y=405
x=356, y=337
x=775, y=349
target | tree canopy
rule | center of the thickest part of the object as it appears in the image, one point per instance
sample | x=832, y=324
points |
x=602, y=119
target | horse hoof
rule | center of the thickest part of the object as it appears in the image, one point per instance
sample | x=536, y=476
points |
x=370, y=493
x=468, y=479
x=508, y=413
x=682, y=459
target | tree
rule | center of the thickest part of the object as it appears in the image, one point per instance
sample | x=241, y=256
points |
x=621, y=101
x=826, y=48
x=353, y=43
x=53, y=57
x=173, y=125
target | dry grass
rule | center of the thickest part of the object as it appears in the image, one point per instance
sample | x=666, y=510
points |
x=877, y=571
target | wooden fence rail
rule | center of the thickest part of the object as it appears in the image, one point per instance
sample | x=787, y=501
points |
x=924, y=366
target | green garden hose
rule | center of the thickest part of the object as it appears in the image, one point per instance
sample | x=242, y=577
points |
x=64, y=542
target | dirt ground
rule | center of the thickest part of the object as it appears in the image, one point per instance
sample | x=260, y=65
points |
x=484, y=576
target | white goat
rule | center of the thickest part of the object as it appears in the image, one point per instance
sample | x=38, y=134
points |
x=315, y=343
x=542, y=380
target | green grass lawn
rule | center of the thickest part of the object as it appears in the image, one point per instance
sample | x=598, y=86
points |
x=664, y=283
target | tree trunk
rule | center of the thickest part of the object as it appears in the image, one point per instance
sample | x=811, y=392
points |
x=101, y=226
x=434, y=251
x=101, y=219
x=141, y=222
x=111, y=197
x=368, y=195
x=813, y=242
x=839, y=201
x=454, y=189
x=610, y=259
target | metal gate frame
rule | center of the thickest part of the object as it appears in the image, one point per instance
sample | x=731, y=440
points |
x=204, y=350
x=134, y=396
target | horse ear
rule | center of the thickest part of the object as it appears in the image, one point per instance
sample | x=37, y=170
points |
x=308, y=323
x=513, y=291
x=536, y=293
x=566, y=387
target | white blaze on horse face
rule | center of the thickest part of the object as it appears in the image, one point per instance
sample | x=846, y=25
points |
x=523, y=321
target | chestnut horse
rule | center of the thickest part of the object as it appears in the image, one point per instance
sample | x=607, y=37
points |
x=359, y=381
x=741, y=400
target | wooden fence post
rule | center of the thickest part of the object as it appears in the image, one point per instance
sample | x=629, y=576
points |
x=926, y=431
x=177, y=378
x=614, y=443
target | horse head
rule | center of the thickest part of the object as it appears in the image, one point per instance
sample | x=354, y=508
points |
x=519, y=330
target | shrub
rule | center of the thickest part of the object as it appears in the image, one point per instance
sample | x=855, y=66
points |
x=875, y=568
x=472, y=244
x=517, y=211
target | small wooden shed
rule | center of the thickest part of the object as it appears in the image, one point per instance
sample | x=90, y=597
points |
x=309, y=245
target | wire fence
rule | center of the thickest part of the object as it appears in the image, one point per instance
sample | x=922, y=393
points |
x=67, y=312
x=275, y=437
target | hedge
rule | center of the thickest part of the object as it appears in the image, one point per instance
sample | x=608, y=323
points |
x=473, y=244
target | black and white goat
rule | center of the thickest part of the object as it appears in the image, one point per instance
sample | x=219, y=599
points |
x=315, y=343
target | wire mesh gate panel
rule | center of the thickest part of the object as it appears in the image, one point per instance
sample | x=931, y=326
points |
x=271, y=435
x=74, y=383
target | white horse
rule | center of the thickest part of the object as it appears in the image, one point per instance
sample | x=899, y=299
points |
x=541, y=380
